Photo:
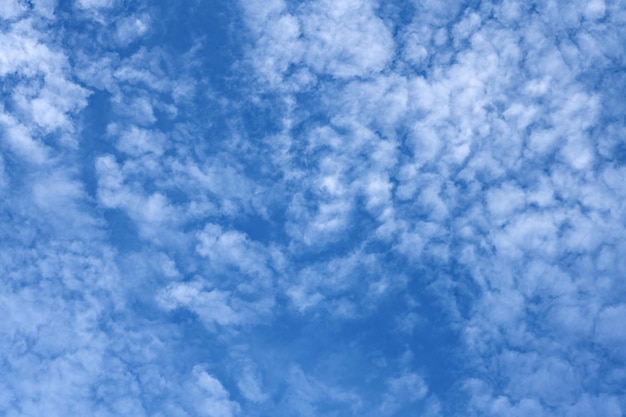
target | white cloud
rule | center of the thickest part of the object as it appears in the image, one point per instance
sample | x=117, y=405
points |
x=138, y=109
x=610, y=327
x=60, y=293
x=245, y=297
x=4, y=179
x=10, y=9
x=600, y=405
x=230, y=248
x=152, y=212
x=47, y=115
x=250, y=385
x=345, y=39
x=406, y=388
x=339, y=39
x=137, y=141
x=20, y=141
x=332, y=284
x=41, y=97
x=95, y=4
x=478, y=151
x=24, y=53
x=54, y=103
x=61, y=201
x=131, y=28
x=595, y=9
x=306, y=395
x=209, y=398
x=45, y=8
x=211, y=305
x=504, y=201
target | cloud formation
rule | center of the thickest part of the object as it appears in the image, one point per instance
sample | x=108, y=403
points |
x=312, y=208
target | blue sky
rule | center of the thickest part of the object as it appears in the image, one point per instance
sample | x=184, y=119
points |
x=312, y=208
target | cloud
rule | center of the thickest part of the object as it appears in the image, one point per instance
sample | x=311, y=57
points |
x=308, y=396
x=366, y=45
x=151, y=213
x=251, y=386
x=95, y=4
x=229, y=248
x=608, y=329
x=208, y=396
x=307, y=37
x=131, y=28
x=366, y=208
x=19, y=140
x=11, y=9
x=334, y=283
x=409, y=387
x=211, y=305
x=245, y=297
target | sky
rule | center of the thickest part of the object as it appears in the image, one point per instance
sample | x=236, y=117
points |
x=223, y=208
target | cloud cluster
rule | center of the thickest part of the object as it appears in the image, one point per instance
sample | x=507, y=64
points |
x=368, y=209
x=487, y=141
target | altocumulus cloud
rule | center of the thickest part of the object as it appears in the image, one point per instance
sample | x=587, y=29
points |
x=312, y=208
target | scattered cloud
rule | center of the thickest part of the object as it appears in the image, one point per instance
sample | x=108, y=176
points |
x=312, y=208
